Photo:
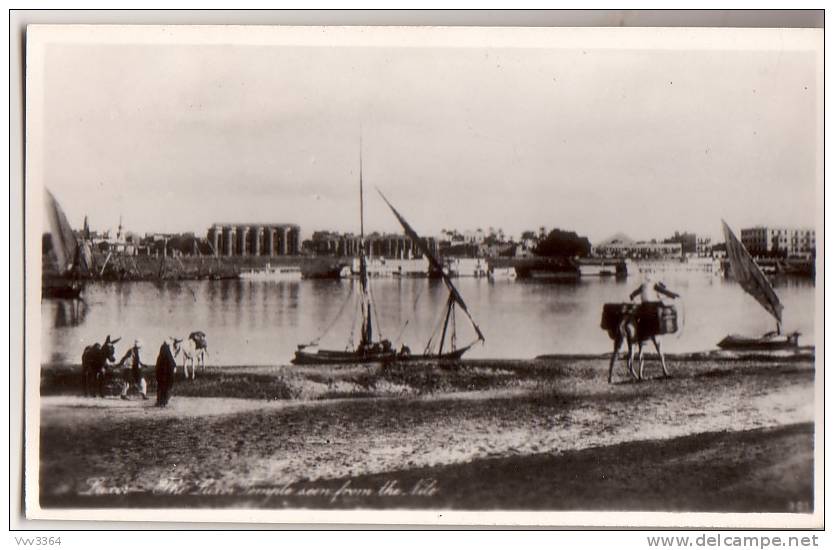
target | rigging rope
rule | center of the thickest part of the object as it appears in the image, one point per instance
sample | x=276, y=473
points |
x=358, y=302
x=454, y=338
x=438, y=327
x=376, y=315
x=413, y=311
x=336, y=318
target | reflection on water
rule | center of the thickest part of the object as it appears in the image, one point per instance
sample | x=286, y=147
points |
x=69, y=313
x=258, y=322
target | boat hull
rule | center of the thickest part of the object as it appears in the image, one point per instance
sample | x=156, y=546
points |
x=452, y=355
x=334, y=357
x=261, y=276
x=763, y=343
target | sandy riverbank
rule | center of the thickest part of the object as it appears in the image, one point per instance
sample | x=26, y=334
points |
x=544, y=434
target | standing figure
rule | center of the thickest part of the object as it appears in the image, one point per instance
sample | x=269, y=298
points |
x=165, y=368
x=132, y=372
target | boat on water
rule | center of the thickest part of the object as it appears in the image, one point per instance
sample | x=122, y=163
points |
x=372, y=348
x=270, y=273
x=766, y=342
x=447, y=329
x=752, y=279
x=502, y=273
x=64, y=279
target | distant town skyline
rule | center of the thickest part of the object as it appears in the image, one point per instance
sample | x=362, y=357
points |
x=174, y=137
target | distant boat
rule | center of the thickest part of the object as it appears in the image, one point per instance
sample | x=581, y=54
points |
x=751, y=278
x=501, y=273
x=270, y=273
x=70, y=258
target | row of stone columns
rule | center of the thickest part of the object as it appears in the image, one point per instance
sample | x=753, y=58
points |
x=255, y=240
x=394, y=247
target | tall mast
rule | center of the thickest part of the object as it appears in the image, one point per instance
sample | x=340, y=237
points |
x=361, y=203
x=367, y=325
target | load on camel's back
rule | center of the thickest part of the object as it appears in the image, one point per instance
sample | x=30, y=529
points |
x=194, y=350
x=631, y=324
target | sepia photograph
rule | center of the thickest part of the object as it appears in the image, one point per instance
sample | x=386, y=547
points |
x=424, y=275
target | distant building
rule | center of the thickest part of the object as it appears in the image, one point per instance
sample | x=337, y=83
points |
x=703, y=247
x=254, y=239
x=390, y=246
x=621, y=246
x=688, y=242
x=780, y=242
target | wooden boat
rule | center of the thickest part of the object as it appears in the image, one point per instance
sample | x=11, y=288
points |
x=70, y=260
x=307, y=356
x=752, y=279
x=766, y=342
x=368, y=350
x=455, y=300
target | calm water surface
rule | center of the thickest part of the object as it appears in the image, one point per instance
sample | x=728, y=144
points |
x=260, y=323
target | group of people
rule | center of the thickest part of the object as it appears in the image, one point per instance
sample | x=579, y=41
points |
x=133, y=375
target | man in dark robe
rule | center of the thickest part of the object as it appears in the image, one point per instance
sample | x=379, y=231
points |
x=165, y=366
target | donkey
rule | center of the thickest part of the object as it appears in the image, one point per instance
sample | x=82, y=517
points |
x=194, y=351
x=94, y=366
x=627, y=330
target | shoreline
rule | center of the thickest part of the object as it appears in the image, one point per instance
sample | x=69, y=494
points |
x=480, y=428
x=675, y=475
x=397, y=379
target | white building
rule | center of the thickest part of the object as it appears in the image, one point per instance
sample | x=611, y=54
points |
x=621, y=246
x=784, y=241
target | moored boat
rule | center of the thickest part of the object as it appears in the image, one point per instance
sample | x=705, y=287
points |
x=270, y=273
x=752, y=279
x=368, y=350
x=70, y=259
x=766, y=342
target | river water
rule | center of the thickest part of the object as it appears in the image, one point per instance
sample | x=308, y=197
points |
x=261, y=323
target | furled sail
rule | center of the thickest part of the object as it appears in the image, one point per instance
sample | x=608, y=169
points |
x=750, y=276
x=434, y=262
x=367, y=323
x=64, y=243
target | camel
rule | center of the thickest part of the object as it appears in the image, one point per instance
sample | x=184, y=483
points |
x=623, y=327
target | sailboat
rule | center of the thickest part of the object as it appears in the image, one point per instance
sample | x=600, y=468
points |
x=69, y=256
x=368, y=350
x=454, y=300
x=751, y=278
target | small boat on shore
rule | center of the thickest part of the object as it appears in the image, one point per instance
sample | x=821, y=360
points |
x=752, y=279
x=269, y=273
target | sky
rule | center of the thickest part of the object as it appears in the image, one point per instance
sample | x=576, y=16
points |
x=175, y=137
